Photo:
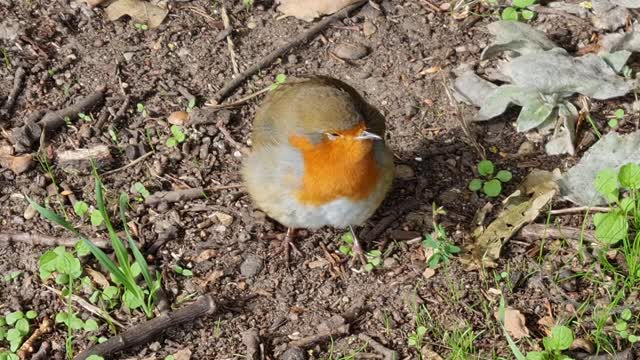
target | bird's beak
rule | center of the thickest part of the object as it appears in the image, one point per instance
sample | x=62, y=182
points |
x=365, y=135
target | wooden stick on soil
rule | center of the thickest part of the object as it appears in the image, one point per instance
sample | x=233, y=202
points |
x=271, y=57
x=27, y=347
x=50, y=241
x=227, y=25
x=386, y=352
x=149, y=330
x=18, y=78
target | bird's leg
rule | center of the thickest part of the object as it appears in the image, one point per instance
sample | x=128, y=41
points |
x=357, y=248
x=288, y=242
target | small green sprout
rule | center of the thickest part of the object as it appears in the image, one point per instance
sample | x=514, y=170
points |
x=374, y=260
x=561, y=339
x=141, y=109
x=84, y=117
x=280, y=79
x=6, y=58
x=416, y=337
x=178, y=136
x=139, y=188
x=618, y=115
x=248, y=4
x=141, y=27
x=182, y=271
x=520, y=9
x=12, y=276
x=346, y=246
x=191, y=105
x=440, y=246
x=622, y=326
x=491, y=185
x=113, y=134
x=80, y=208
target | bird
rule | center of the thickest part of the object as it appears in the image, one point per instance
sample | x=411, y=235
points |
x=318, y=158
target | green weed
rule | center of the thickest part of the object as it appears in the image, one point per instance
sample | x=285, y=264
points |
x=490, y=185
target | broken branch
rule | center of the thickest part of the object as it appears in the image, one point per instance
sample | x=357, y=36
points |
x=50, y=241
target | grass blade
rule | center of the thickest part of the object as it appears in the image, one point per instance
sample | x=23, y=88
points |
x=124, y=201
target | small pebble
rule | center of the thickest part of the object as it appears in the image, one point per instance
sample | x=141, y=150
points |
x=251, y=266
x=294, y=353
x=29, y=213
x=132, y=152
x=526, y=148
x=292, y=59
x=368, y=28
x=404, y=172
x=178, y=117
x=225, y=219
x=237, y=154
x=350, y=51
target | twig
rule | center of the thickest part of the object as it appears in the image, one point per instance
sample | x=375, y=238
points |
x=551, y=11
x=175, y=196
x=240, y=101
x=579, y=209
x=388, y=353
x=148, y=330
x=87, y=306
x=27, y=346
x=43, y=352
x=308, y=341
x=133, y=163
x=18, y=78
x=535, y=232
x=230, y=46
x=463, y=122
x=271, y=57
x=49, y=241
x=125, y=104
x=53, y=120
x=227, y=135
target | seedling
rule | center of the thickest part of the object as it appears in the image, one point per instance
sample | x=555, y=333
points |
x=374, y=260
x=248, y=4
x=113, y=134
x=141, y=109
x=440, y=246
x=14, y=327
x=415, y=338
x=141, y=27
x=182, y=271
x=84, y=117
x=191, y=105
x=561, y=339
x=12, y=276
x=520, y=9
x=139, y=188
x=622, y=326
x=491, y=185
x=622, y=190
x=6, y=58
x=280, y=79
x=177, y=136
x=618, y=115
x=347, y=244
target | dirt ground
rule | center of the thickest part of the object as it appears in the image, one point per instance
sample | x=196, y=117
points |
x=68, y=50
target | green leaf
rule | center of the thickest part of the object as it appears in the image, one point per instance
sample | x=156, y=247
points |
x=537, y=355
x=523, y=3
x=172, y=142
x=492, y=188
x=169, y=357
x=345, y=249
x=504, y=176
x=368, y=267
x=626, y=314
x=621, y=325
x=613, y=123
x=110, y=292
x=607, y=184
x=627, y=205
x=47, y=264
x=12, y=317
x=347, y=238
x=629, y=176
x=610, y=227
x=31, y=314
x=140, y=189
x=61, y=317
x=13, y=335
x=191, y=104
x=485, y=168
x=187, y=272
x=95, y=357
x=619, y=113
x=82, y=249
x=527, y=14
x=561, y=338
x=90, y=325
x=434, y=260
x=96, y=218
x=76, y=323
x=132, y=300
x=633, y=339
x=281, y=78
x=475, y=185
x=421, y=331
x=80, y=208
x=140, y=107
x=22, y=325
x=510, y=14
x=177, y=133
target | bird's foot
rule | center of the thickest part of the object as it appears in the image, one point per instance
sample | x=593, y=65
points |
x=358, y=251
x=288, y=244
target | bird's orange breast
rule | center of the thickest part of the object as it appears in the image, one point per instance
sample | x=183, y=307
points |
x=336, y=168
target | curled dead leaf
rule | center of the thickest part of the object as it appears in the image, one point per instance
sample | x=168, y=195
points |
x=308, y=10
x=206, y=255
x=428, y=354
x=140, y=11
x=514, y=322
x=17, y=164
x=428, y=273
x=98, y=278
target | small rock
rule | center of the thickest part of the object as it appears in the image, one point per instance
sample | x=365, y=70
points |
x=292, y=59
x=390, y=263
x=450, y=196
x=294, y=353
x=350, y=51
x=220, y=228
x=368, y=28
x=252, y=24
x=131, y=152
x=178, y=118
x=251, y=266
x=526, y=148
x=225, y=219
x=29, y=212
x=128, y=56
x=404, y=172
x=154, y=346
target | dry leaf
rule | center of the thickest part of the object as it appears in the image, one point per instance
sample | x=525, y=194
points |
x=17, y=164
x=522, y=207
x=428, y=273
x=140, y=11
x=582, y=344
x=98, y=278
x=308, y=10
x=514, y=322
x=184, y=354
x=178, y=118
x=206, y=255
x=547, y=322
x=428, y=354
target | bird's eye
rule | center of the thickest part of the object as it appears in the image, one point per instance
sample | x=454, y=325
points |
x=332, y=135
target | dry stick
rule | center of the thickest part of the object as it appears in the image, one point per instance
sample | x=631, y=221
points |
x=463, y=123
x=230, y=46
x=148, y=330
x=100, y=123
x=271, y=57
x=534, y=232
x=43, y=352
x=27, y=347
x=579, y=209
x=175, y=196
x=53, y=120
x=309, y=341
x=387, y=353
x=227, y=135
x=87, y=306
x=13, y=96
x=239, y=101
x=50, y=241
x=133, y=163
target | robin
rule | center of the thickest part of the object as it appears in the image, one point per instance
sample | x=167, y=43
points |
x=318, y=158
